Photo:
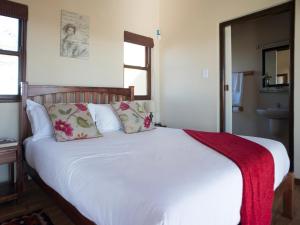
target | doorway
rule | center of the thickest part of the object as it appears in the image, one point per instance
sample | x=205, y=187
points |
x=271, y=78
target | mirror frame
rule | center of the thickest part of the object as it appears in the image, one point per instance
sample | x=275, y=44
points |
x=282, y=47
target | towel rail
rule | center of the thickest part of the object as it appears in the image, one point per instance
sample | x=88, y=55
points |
x=247, y=73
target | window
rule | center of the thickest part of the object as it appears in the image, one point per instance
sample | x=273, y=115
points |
x=137, y=64
x=13, y=18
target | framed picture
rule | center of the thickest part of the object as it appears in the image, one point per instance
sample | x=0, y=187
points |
x=74, y=35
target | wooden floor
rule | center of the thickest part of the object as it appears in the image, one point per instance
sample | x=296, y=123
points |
x=35, y=199
x=32, y=200
x=277, y=209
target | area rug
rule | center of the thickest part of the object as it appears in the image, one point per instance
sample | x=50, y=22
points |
x=36, y=218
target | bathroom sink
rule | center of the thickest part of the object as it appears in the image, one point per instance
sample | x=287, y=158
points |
x=274, y=113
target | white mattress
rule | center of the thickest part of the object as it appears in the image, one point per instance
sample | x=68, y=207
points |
x=159, y=177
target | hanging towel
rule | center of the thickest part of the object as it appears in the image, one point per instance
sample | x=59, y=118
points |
x=237, y=89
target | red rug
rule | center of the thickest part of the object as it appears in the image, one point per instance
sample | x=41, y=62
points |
x=36, y=218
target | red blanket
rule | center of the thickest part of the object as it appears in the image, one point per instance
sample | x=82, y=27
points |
x=257, y=167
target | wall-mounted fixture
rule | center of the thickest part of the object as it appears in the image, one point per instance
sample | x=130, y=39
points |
x=158, y=34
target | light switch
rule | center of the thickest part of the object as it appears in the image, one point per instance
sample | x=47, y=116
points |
x=205, y=73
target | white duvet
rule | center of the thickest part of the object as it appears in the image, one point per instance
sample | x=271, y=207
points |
x=159, y=177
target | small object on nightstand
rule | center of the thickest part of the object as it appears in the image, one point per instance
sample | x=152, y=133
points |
x=10, y=153
x=160, y=125
x=8, y=142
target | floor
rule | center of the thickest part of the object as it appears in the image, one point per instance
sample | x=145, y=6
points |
x=34, y=199
x=277, y=209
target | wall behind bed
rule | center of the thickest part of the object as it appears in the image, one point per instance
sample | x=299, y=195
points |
x=108, y=20
x=189, y=44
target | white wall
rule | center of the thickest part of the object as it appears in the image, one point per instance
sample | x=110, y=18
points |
x=108, y=20
x=190, y=42
x=228, y=79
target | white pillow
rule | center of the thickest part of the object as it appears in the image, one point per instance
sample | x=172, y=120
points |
x=105, y=117
x=41, y=125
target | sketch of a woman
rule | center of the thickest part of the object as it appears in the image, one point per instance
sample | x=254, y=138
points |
x=74, y=35
x=69, y=43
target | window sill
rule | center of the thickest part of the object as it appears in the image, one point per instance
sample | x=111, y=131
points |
x=9, y=98
x=142, y=97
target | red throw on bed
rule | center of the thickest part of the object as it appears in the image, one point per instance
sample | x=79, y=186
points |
x=257, y=167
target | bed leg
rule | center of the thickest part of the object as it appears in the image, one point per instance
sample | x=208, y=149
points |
x=288, y=197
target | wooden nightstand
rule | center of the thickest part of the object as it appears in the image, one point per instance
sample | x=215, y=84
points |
x=11, y=189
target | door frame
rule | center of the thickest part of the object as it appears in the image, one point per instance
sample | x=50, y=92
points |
x=286, y=7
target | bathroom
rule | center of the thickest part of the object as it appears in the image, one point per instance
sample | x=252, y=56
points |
x=261, y=78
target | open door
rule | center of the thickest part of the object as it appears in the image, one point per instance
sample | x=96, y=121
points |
x=228, y=80
x=226, y=64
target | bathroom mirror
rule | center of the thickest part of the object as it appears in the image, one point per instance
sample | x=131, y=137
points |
x=276, y=66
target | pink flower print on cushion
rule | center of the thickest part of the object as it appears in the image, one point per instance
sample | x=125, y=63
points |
x=81, y=107
x=64, y=127
x=147, y=122
x=124, y=106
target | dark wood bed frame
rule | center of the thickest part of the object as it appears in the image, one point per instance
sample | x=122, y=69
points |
x=63, y=94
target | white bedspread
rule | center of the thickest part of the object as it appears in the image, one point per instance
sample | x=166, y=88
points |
x=159, y=177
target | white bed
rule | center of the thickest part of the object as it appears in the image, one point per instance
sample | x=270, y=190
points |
x=159, y=177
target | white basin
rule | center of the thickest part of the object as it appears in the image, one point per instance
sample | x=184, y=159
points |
x=274, y=113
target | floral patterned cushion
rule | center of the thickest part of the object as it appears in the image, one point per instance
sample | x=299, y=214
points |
x=72, y=121
x=133, y=117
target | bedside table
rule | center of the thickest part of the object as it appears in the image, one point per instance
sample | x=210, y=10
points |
x=11, y=189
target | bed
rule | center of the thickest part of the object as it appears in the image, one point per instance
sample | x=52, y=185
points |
x=157, y=177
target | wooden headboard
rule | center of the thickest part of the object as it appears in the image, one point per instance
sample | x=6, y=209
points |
x=67, y=94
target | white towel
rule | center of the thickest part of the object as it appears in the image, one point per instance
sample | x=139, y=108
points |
x=237, y=88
